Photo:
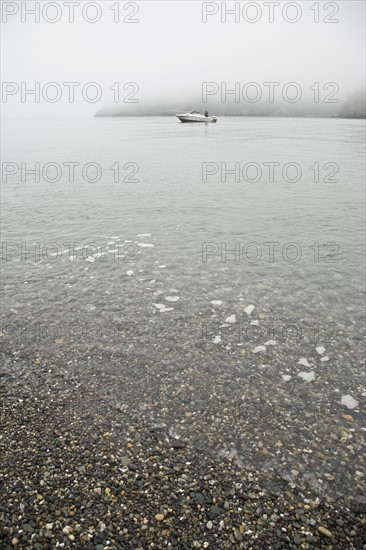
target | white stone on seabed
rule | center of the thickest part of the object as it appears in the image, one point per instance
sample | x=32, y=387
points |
x=145, y=245
x=129, y=272
x=231, y=319
x=304, y=362
x=217, y=340
x=144, y=235
x=320, y=350
x=254, y=323
x=166, y=309
x=162, y=308
x=172, y=298
x=248, y=310
x=349, y=402
x=216, y=302
x=90, y=259
x=324, y=359
x=259, y=349
x=307, y=376
x=286, y=377
x=270, y=343
x=161, y=266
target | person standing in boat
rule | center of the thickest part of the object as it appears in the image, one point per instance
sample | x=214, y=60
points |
x=206, y=113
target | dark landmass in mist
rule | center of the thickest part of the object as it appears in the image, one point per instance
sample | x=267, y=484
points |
x=353, y=106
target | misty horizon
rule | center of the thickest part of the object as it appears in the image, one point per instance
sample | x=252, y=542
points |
x=173, y=49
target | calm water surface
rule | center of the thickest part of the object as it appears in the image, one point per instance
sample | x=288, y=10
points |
x=162, y=232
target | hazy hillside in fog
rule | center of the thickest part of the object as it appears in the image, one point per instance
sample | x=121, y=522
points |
x=351, y=107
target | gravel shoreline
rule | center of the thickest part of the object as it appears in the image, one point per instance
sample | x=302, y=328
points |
x=74, y=478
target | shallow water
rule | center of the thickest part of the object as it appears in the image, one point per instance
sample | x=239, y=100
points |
x=115, y=315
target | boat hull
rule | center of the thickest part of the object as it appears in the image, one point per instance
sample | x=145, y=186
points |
x=195, y=118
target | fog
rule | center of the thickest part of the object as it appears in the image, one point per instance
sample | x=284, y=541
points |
x=170, y=52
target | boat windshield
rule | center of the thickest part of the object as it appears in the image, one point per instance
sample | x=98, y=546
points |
x=194, y=113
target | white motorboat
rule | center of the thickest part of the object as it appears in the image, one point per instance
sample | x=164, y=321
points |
x=195, y=116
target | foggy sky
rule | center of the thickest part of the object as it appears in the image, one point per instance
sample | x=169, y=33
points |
x=170, y=52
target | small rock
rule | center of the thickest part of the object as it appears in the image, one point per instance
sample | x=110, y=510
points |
x=214, y=511
x=259, y=349
x=307, y=376
x=324, y=531
x=159, y=517
x=231, y=319
x=199, y=498
x=320, y=350
x=349, y=402
x=248, y=310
